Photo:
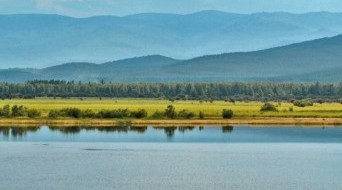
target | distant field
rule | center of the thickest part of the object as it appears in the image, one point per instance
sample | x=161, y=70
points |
x=212, y=110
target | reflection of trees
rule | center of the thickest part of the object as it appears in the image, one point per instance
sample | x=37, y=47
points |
x=5, y=131
x=116, y=129
x=66, y=130
x=227, y=129
x=139, y=130
x=170, y=131
x=185, y=128
x=17, y=131
x=70, y=130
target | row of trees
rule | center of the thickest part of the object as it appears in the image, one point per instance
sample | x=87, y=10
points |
x=198, y=91
x=18, y=111
x=169, y=113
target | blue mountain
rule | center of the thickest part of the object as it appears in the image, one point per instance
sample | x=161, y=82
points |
x=38, y=40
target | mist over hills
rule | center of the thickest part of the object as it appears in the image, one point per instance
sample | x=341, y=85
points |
x=311, y=61
x=39, y=41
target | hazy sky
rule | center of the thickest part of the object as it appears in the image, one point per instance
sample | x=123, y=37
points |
x=84, y=8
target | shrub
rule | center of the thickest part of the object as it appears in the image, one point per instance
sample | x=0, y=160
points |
x=142, y=113
x=121, y=113
x=6, y=111
x=71, y=112
x=111, y=114
x=18, y=111
x=320, y=101
x=54, y=114
x=201, y=115
x=33, y=113
x=157, y=115
x=170, y=112
x=268, y=107
x=186, y=114
x=88, y=114
x=227, y=113
x=105, y=114
x=303, y=103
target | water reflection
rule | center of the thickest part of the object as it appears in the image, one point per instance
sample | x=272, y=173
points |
x=227, y=129
x=17, y=131
x=172, y=134
x=66, y=130
x=185, y=129
x=140, y=130
x=169, y=131
x=117, y=129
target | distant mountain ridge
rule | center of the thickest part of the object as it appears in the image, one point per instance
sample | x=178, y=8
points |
x=36, y=40
x=317, y=60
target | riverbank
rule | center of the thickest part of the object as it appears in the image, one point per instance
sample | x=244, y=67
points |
x=211, y=110
x=205, y=122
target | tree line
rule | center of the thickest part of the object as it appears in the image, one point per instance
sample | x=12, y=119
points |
x=176, y=91
x=18, y=111
x=169, y=113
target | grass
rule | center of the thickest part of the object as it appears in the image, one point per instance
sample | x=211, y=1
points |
x=211, y=110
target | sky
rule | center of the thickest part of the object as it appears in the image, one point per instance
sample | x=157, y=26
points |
x=86, y=8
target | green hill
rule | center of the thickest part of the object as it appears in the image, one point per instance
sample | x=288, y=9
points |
x=41, y=40
x=311, y=61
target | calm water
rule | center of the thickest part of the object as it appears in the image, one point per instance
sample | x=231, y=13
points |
x=141, y=158
x=173, y=134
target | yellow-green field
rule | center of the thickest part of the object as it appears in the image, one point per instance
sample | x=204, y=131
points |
x=211, y=110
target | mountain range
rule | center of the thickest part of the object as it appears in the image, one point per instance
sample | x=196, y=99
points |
x=310, y=61
x=38, y=40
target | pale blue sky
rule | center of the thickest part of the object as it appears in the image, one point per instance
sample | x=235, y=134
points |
x=84, y=8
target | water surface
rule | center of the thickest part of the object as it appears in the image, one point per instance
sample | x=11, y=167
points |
x=170, y=166
x=176, y=158
x=225, y=134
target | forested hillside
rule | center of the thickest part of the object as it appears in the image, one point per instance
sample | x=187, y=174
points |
x=199, y=91
x=38, y=40
x=311, y=61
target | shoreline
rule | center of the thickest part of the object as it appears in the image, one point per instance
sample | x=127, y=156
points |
x=25, y=122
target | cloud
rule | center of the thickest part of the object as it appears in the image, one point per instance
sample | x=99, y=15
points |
x=46, y=4
x=75, y=8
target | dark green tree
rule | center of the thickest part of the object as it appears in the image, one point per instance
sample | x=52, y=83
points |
x=142, y=113
x=268, y=107
x=201, y=115
x=6, y=111
x=170, y=112
x=186, y=114
x=227, y=113
x=18, y=111
x=33, y=113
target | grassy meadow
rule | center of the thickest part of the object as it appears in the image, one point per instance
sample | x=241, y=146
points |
x=212, y=110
